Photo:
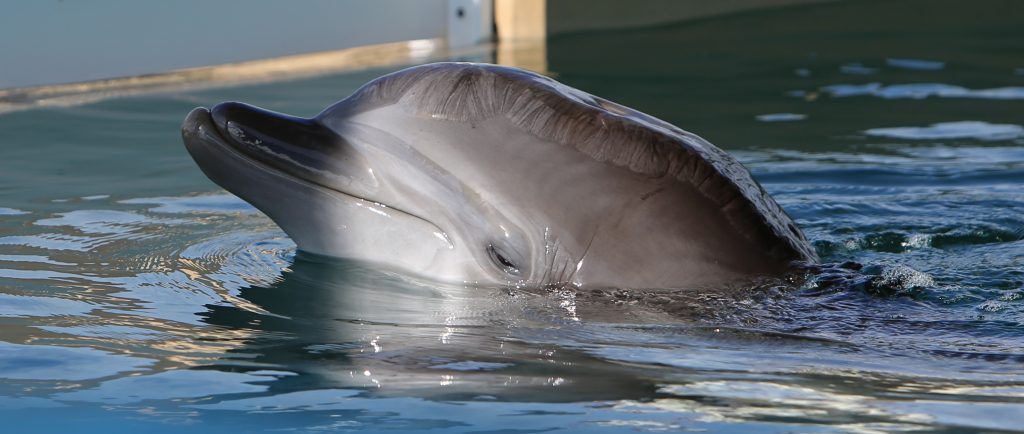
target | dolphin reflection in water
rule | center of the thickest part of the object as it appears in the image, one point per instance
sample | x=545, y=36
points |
x=360, y=328
x=488, y=175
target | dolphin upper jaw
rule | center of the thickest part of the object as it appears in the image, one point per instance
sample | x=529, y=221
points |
x=200, y=133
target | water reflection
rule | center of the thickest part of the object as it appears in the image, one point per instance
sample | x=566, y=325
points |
x=922, y=91
x=343, y=325
x=50, y=363
x=976, y=130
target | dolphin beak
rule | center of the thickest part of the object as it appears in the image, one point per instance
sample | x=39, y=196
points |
x=302, y=147
x=269, y=136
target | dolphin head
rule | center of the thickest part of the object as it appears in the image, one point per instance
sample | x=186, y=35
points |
x=484, y=174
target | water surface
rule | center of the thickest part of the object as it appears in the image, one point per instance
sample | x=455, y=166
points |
x=137, y=296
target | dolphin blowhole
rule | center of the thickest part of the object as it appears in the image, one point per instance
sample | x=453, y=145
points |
x=484, y=174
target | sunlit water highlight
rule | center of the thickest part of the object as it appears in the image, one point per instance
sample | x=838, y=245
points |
x=135, y=296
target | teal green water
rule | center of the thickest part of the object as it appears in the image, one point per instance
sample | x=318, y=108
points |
x=136, y=296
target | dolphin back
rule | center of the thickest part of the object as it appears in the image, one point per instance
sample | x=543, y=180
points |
x=603, y=130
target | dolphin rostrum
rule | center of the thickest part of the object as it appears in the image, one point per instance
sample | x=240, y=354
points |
x=490, y=175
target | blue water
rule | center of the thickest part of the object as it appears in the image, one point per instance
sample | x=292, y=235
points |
x=136, y=296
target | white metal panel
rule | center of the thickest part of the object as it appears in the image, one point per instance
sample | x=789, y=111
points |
x=48, y=42
x=470, y=22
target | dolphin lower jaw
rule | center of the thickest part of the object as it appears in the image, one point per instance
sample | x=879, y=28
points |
x=326, y=221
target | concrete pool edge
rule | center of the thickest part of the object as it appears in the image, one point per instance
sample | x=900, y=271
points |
x=241, y=73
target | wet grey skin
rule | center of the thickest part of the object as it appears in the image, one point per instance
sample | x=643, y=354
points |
x=490, y=175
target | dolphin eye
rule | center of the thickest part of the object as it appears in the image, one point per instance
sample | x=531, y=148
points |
x=502, y=261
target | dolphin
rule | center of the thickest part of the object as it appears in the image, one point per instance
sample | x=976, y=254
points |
x=481, y=174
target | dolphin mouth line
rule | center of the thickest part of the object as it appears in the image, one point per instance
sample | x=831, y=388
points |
x=199, y=123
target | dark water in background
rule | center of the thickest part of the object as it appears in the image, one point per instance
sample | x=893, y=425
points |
x=136, y=296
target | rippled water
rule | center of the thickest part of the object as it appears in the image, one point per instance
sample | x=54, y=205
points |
x=137, y=296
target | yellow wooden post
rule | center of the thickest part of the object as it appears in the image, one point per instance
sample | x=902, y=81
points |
x=522, y=32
